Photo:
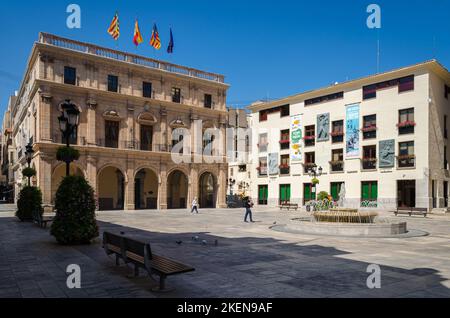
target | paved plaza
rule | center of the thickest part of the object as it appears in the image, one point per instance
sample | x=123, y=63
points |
x=249, y=260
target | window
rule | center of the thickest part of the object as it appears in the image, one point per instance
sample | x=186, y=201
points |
x=406, y=157
x=243, y=168
x=284, y=111
x=369, y=127
x=111, y=134
x=285, y=193
x=284, y=166
x=446, y=91
x=406, y=121
x=369, y=191
x=70, y=75
x=176, y=95
x=337, y=160
x=208, y=101
x=310, y=138
x=262, y=145
x=323, y=99
x=262, y=166
x=284, y=139
x=445, y=158
x=369, y=157
x=147, y=89
x=113, y=83
x=73, y=138
x=404, y=84
x=263, y=193
x=310, y=161
x=177, y=138
x=337, y=133
x=146, y=137
x=263, y=115
x=335, y=189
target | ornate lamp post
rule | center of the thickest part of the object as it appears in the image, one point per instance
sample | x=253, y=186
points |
x=231, y=183
x=68, y=121
x=244, y=185
x=315, y=172
x=29, y=155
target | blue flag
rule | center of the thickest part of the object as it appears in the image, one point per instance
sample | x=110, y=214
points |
x=170, y=47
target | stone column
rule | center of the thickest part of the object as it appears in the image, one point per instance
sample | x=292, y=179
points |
x=163, y=127
x=130, y=126
x=129, y=190
x=44, y=131
x=222, y=184
x=44, y=175
x=91, y=137
x=91, y=167
x=162, y=188
x=193, y=191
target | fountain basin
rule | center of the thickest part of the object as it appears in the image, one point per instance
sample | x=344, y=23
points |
x=306, y=226
x=340, y=215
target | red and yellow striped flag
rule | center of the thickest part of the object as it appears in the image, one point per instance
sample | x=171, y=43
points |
x=155, y=41
x=137, y=39
x=114, y=29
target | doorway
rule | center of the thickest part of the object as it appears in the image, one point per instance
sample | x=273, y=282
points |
x=406, y=193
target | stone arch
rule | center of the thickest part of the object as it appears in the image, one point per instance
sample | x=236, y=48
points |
x=207, y=190
x=146, y=188
x=111, y=183
x=177, y=189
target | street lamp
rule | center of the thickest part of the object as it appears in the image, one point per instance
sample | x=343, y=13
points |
x=68, y=121
x=29, y=155
x=315, y=172
x=231, y=183
x=244, y=185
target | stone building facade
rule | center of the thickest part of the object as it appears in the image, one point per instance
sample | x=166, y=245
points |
x=383, y=138
x=131, y=111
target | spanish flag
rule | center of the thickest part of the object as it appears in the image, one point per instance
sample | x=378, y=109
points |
x=137, y=39
x=114, y=29
x=155, y=41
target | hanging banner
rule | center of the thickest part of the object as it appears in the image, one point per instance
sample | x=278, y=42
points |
x=323, y=127
x=387, y=153
x=352, y=131
x=273, y=163
x=296, y=138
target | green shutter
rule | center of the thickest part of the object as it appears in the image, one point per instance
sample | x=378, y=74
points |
x=261, y=193
x=334, y=191
x=365, y=191
x=282, y=196
x=288, y=190
x=374, y=191
x=266, y=192
x=306, y=192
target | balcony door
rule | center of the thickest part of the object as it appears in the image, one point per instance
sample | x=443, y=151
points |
x=146, y=137
x=111, y=134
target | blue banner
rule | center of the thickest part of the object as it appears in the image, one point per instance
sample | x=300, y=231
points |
x=352, y=131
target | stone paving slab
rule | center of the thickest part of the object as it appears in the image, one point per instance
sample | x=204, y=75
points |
x=250, y=260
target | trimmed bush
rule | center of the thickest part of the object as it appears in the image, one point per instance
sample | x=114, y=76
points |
x=29, y=203
x=323, y=195
x=67, y=154
x=28, y=172
x=74, y=222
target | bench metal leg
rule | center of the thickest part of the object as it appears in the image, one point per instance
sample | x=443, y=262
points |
x=117, y=260
x=161, y=288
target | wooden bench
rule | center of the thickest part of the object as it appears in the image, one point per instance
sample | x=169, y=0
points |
x=140, y=255
x=41, y=220
x=411, y=211
x=289, y=206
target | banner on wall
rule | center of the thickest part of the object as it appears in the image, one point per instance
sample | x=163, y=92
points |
x=352, y=131
x=273, y=163
x=323, y=127
x=296, y=138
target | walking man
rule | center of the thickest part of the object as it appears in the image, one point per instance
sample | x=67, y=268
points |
x=194, y=206
x=248, y=212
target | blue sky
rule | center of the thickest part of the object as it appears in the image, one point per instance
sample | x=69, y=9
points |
x=266, y=49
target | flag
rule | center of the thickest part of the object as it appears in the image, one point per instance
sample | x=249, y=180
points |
x=137, y=39
x=155, y=41
x=114, y=29
x=170, y=47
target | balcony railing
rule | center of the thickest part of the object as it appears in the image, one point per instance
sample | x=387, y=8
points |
x=337, y=166
x=369, y=163
x=57, y=41
x=406, y=161
x=337, y=136
x=285, y=144
x=284, y=170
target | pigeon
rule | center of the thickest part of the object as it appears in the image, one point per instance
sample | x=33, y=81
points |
x=195, y=238
x=204, y=242
x=274, y=223
x=122, y=233
x=179, y=242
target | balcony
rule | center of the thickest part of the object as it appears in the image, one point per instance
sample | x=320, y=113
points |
x=53, y=40
x=369, y=163
x=337, y=136
x=285, y=144
x=262, y=171
x=308, y=166
x=337, y=166
x=369, y=132
x=310, y=141
x=406, y=161
x=406, y=127
x=285, y=169
x=262, y=147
